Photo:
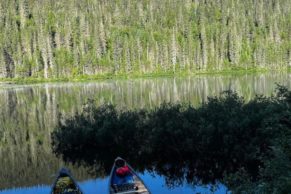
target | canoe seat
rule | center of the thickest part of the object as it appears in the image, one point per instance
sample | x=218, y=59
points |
x=134, y=192
x=124, y=187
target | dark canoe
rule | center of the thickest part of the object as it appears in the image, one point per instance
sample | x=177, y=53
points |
x=65, y=184
x=138, y=187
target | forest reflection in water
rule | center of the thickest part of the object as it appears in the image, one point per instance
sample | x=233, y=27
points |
x=29, y=114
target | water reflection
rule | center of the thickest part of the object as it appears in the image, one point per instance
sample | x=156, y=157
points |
x=94, y=186
x=40, y=189
x=175, y=150
x=29, y=113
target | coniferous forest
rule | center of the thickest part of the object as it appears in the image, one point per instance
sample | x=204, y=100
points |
x=69, y=38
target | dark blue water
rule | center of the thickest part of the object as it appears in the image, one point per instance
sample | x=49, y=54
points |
x=156, y=184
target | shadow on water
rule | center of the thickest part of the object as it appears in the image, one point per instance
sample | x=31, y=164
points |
x=179, y=142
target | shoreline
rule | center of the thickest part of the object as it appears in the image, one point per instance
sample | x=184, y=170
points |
x=121, y=76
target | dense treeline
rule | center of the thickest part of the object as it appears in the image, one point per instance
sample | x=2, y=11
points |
x=246, y=145
x=77, y=38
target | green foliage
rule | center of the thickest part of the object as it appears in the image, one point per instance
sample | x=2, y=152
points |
x=208, y=35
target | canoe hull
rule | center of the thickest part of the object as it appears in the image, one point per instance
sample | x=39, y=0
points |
x=136, y=187
x=65, y=184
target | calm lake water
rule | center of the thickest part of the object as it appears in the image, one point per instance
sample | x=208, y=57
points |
x=29, y=113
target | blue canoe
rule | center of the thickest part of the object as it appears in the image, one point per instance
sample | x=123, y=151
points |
x=133, y=186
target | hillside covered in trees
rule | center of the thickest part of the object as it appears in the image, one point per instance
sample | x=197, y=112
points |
x=66, y=38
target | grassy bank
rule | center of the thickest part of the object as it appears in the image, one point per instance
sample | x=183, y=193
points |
x=118, y=76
